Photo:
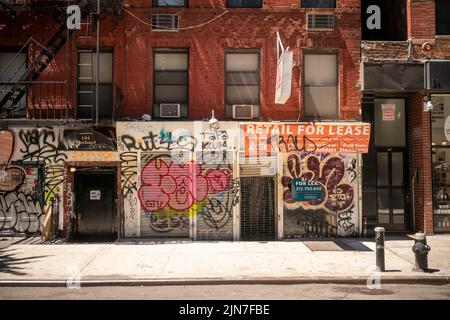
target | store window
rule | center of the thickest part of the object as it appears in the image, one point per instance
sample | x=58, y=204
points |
x=244, y=3
x=170, y=80
x=321, y=85
x=442, y=17
x=318, y=3
x=440, y=137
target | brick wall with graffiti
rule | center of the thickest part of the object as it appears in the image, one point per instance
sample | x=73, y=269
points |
x=178, y=179
x=335, y=212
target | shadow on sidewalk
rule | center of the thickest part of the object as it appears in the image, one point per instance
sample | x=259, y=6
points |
x=10, y=263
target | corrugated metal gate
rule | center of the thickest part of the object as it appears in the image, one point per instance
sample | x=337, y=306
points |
x=258, y=208
x=158, y=176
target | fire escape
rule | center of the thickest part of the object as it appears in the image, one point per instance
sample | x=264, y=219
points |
x=17, y=87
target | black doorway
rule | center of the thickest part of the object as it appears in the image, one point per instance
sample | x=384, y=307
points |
x=95, y=209
x=258, y=209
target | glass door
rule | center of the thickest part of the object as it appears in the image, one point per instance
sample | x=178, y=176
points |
x=392, y=164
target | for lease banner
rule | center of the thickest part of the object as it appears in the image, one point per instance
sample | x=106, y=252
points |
x=265, y=138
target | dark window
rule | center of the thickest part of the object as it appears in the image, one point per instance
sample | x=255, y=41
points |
x=170, y=79
x=242, y=77
x=12, y=66
x=244, y=3
x=318, y=3
x=87, y=75
x=443, y=17
x=321, y=85
x=170, y=3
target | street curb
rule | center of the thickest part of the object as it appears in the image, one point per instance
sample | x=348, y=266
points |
x=442, y=280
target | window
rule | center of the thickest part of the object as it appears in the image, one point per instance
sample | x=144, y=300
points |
x=12, y=67
x=244, y=3
x=318, y=3
x=242, y=79
x=170, y=3
x=87, y=76
x=321, y=85
x=442, y=17
x=170, y=80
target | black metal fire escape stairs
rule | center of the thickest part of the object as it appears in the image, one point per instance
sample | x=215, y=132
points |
x=36, y=68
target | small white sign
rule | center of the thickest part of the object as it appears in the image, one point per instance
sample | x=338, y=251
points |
x=284, y=77
x=388, y=112
x=95, y=195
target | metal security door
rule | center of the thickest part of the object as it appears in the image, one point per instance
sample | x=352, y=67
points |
x=258, y=209
x=95, y=205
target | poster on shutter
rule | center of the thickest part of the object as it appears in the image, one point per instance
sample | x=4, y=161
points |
x=388, y=112
x=95, y=195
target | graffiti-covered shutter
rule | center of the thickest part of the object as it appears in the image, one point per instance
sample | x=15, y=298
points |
x=165, y=194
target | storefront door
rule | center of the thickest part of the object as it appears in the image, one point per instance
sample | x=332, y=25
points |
x=392, y=187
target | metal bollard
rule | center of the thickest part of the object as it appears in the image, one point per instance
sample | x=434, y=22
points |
x=379, y=247
x=421, y=249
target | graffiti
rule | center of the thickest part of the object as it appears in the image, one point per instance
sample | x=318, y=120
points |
x=164, y=141
x=214, y=140
x=11, y=177
x=20, y=213
x=128, y=162
x=344, y=219
x=178, y=186
x=352, y=171
x=41, y=145
x=328, y=172
x=292, y=143
x=168, y=222
x=302, y=222
x=235, y=191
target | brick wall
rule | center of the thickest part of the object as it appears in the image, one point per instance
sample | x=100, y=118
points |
x=239, y=28
x=420, y=146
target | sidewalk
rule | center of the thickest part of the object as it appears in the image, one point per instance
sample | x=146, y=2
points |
x=186, y=262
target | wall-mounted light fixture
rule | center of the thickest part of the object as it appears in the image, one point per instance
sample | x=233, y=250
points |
x=427, y=104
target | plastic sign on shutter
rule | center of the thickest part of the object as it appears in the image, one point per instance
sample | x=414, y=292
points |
x=284, y=77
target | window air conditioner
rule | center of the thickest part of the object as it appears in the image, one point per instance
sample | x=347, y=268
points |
x=169, y=110
x=243, y=111
x=319, y=22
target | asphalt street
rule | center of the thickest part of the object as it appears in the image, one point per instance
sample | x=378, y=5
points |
x=233, y=292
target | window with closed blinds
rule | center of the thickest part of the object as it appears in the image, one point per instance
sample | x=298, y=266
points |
x=12, y=67
x=242, y=77
x=170, y=79
x=321, y=85
x=87, y=77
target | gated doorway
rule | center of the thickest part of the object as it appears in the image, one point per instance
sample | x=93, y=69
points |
x=95, y=208
x=258, y=219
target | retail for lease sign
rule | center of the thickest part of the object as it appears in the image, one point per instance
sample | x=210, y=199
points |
x=265, y=138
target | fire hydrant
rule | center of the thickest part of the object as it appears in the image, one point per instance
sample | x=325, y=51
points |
x=421, y=249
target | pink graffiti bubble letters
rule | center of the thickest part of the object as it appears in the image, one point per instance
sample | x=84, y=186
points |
x=178, y=186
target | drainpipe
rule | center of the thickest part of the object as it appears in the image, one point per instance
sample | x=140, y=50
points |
x=410, y=51
x=413, y=181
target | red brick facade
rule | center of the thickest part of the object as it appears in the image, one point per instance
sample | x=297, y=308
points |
x=133, y=42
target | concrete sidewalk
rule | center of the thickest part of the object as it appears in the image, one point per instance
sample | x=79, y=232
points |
x=175, y=262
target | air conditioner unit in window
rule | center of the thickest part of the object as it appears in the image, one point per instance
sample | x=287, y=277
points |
x=169, y=110
x=165, y=22
x=243, y=111
x=320, y=22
